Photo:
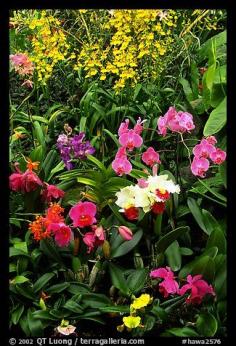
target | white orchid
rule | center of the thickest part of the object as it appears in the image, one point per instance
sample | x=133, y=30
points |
x=145, y=197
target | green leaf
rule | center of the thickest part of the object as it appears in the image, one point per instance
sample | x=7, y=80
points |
x=189, y=267
x=95, y=300
x=216, y=194
x=20, y=279
x=49, y=163
x=42, y=281
x=58, y=288
x=216, y=120
x=209, y=221
x=71, y=305
x=187, y=89
x=186, y=251
x=82, y=124
x=86, y=181
x=21, y=246
x=217, y=238
x=136, y=280
x=113, y=137
x=97, y=162
x=206, y=324
x=50, y=250
x=44, y=315
x=185, y=331
x=16, y=314
x=195, y=210
x=35, y=325
x=127, y=246
x=115, y=308
x=59, y=167
x=118, y=279
x=40, y=135
x=223, y=173
x=170, y=237
x=220, y=282
x=77, y=287
x=173, y=256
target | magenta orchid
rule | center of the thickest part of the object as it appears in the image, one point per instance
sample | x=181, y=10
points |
x=199, y=289
x=169, y=285
x=83, y=214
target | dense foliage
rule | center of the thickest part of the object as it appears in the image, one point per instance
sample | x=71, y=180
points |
x=118, y=172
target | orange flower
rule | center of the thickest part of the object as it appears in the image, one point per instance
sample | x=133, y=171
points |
x=32, y=165
x=39, y=229
x=53, y=214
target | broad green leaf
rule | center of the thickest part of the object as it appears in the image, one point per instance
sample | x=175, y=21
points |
x=187, y=89
x=118, y=279
x=136, y=280
x=210, y=222
x=86, y=181
x=127, y=246
x=195, y=210
x=73, y=306
x=173, y=256
x=216, y=120
x=95, y=300
x=206, y=324
x=20, y=279
x=115, y=308
x=17, y=313
x=189, y=267
x=97, y=162
x=217, y=238
x=185, y=331
x=42, y=281
x=223, y=173
x=35, y=325
x=58, y=288
x=170, y=237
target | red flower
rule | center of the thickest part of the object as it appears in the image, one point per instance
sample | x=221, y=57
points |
x=50, y=192
x=132, y=213
x=164, y=195
x=158, y=207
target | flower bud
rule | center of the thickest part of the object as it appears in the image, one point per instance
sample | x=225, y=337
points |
x=125, y=233
x=106, y=249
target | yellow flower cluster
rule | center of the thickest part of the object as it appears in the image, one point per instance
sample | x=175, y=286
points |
x=49, y=44
x=132, y=321
x=133, y=41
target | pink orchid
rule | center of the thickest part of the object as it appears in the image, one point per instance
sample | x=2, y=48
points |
x=83, y=214
x=62, y=233
x=124, y=127
x=218, y=156
x=175, y=121
x=150, y=157
x=130, y=140
x=16, y=181
x=121, y=166
x=138, y=128
x=121, y=153
x=199, y=289
x=199, y=166
x=89, y=240
x=142, y=183
x=186, y=121
x=50, y=192
x=30, y=181
x=94, y=238
x=168, y=285
x=22, y=64
x=204, y=149
x=162, y=126
x=125, y=233
x=211, y=140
